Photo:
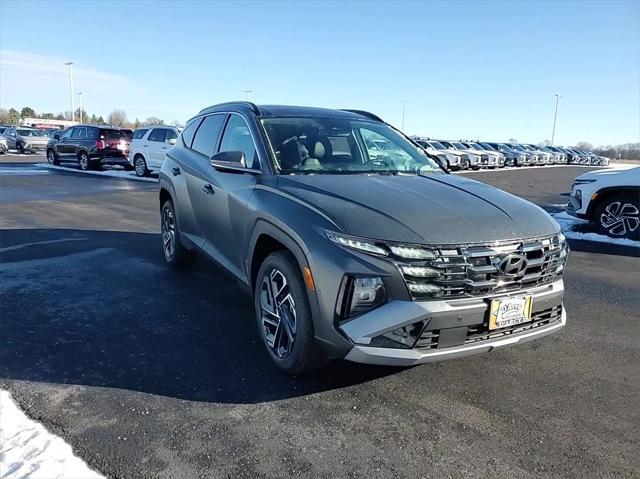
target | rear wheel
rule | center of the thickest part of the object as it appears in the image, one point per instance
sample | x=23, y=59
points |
x=284, y=316
x=618, y=216
x=175, y=253
x=51, y=158
x=140, y=166
x=83, y=159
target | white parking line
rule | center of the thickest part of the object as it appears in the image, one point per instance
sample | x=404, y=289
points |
x=121, y=174
x=21, y=171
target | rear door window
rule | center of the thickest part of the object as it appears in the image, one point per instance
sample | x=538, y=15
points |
x=158, y=134
x=206, y=137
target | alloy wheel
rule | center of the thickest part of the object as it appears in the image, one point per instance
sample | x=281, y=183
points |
x=84, y=161
x=278, y=313
x=620, y=218
x=168, y=233
x=141, y=167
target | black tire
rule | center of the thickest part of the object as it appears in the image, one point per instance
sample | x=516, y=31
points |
x=140, y=165
x=85, y=163
x=52, y=158
x=302, y=354
x=20, y=148
x=618, y=216
x=175, y=253
x=475, y=167
x=127, y=167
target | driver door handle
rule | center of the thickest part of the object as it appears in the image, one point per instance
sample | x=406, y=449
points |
x=208, y=189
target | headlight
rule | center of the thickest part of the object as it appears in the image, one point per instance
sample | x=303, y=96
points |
x=361, y=294
x=585, y=181
x=412, y=252
x=355, y=243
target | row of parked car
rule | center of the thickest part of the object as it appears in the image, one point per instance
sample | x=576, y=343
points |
x=143, y=150
x=463, y=154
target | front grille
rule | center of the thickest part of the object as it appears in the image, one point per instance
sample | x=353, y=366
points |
x=480, y=332
x=474, y=270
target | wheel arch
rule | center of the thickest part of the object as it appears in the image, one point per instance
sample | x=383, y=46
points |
x=605, y=193
x=266, y=239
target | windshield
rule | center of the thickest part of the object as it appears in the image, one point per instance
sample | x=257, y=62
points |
x=460, y=146
x=327, y=145
x=22, y=132
x=474, y=146
x=487, y=146
x=437, y=145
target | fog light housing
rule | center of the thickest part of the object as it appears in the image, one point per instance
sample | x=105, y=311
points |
x=405, y=337
x=362, y=294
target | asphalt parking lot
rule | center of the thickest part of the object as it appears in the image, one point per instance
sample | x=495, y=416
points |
x=151, y=373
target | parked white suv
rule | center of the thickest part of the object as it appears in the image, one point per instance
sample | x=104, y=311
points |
x=611, y=198
x=149, y=146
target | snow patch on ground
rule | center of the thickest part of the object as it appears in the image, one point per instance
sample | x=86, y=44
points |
x=112, y=173
x=28, y=450
x=569, y=224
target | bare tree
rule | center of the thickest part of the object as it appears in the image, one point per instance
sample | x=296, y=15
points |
x=152, y=120
x=117, y=118
x=584, y=145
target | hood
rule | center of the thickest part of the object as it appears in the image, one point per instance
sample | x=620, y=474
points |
x=631, y=172
x=430, y=209
x=34, y=139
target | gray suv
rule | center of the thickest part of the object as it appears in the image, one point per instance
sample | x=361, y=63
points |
x=355, y=244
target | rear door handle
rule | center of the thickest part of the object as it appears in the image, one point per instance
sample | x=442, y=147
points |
x=208, y=189
x=175, y=170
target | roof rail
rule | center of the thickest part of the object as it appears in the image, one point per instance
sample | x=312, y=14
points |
x=247, y=104
x=369, y=115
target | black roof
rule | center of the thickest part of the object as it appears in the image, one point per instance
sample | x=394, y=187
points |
x=286, y=110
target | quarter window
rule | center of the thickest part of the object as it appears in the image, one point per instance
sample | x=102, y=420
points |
x=190, y=131
x=206, y=137
x=67, y=133
x=157, y=134
x=237, y=137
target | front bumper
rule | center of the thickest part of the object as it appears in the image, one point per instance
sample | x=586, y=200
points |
x=456, y=322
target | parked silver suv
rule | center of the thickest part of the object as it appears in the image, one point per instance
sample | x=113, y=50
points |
x=354, y=243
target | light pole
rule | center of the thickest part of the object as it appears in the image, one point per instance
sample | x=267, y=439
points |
x=555, y=117
x=404, y=107
x=81, y=107
x=69, y=64
x=247, y=93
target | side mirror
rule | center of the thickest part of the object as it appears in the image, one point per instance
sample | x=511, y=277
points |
x=56, y=136
x=229, y=161
x=172, y=141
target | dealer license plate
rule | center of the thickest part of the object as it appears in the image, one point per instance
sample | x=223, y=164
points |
x=510, y=311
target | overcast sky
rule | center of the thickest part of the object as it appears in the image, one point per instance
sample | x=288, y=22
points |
x=476, y=69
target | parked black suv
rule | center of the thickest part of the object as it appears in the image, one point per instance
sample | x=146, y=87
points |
x=91, y=146
x=355, y=244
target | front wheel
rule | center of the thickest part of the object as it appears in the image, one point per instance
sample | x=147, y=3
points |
x=283, y=315
x=51, y=158
x=20, y=148
x=619, y=216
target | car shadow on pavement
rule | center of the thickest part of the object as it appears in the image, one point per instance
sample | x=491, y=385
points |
x=100, y=308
